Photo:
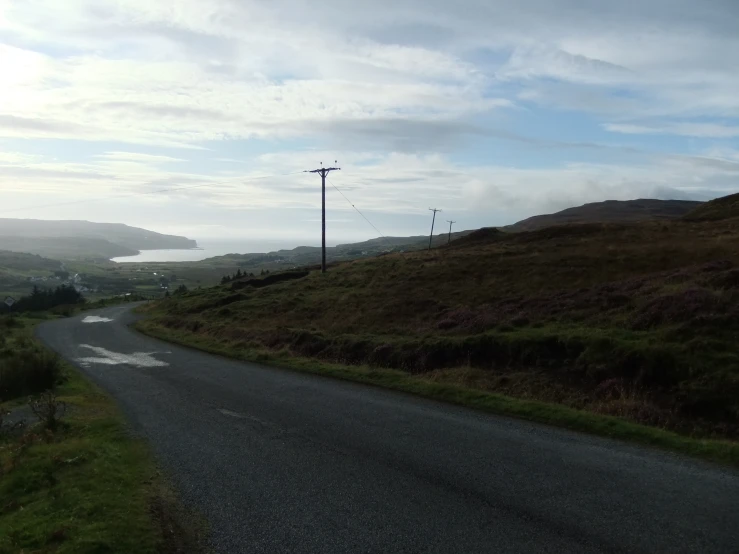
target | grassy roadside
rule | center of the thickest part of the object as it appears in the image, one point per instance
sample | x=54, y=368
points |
x=89, y=486
x=553, y=414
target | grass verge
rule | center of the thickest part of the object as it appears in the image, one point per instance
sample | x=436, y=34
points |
x=726, y=452
x=89, y=487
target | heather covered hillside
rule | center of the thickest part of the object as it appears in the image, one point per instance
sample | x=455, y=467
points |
x=640, y=321
x=725, y=207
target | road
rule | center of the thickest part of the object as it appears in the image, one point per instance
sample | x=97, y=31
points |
x=279, y=461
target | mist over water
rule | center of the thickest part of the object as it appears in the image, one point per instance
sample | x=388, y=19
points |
x=214, y=247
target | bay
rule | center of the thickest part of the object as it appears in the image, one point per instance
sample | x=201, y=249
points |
x=211, y=248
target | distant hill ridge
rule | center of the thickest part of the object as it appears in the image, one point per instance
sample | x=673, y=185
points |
x=610, y=211
x=307, y=255
x=83, y=238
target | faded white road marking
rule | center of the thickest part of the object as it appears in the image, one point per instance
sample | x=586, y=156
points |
x=232, y=414
x=106, y=357
x=237, y=415
x=96, y=319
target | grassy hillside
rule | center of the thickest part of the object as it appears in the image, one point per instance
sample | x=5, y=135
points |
x=148, y=277
x=26, y=263
x=16, y=268
x=720, y=208
x=610, y=211
x=638, y=321
x=309, y=255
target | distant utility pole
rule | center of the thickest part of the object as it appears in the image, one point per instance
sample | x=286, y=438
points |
x=450, y=229
x=432, y=225
x=323, y=171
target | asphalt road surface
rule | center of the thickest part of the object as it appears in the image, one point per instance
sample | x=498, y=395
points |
x=284, y=462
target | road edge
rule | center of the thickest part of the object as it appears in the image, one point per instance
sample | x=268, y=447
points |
x=720, y=451
x=102, y=450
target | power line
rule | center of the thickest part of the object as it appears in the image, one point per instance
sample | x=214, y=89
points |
x=359, y=212
x=134, y=194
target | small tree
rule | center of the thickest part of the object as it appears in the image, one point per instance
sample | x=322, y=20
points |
x=48, y=409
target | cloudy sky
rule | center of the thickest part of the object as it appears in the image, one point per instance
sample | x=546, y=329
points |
x=489, y=109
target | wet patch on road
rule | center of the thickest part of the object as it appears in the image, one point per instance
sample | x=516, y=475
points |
x=96, y=319
x=107, y=357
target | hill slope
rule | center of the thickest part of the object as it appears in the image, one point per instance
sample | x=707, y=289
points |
x=82, y=239
x=26, y=263
x=610, y=211
x=638, y=321
x=721, y=208
x=310, y=255
x=66, y=248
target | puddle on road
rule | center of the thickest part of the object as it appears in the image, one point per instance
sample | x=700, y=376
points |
x=106, y=357
x=96, y=319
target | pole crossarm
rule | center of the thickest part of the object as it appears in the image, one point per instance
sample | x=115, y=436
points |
x=324, y=170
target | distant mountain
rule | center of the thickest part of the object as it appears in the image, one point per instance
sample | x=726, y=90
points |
x=721, y=208
x=83, y=239
x=610, y=211
x=66, y=248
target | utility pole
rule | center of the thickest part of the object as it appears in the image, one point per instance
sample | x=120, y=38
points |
x=450, y=229
x=432, y=225
x=323, y=171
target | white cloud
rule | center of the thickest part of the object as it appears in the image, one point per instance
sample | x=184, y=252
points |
x=138, y=157
x=396, y=88
x=185, y=72
x=263, y=78
x=16, y=158
x=711, y=130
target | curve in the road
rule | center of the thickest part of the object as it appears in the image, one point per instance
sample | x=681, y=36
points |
x=286, y=462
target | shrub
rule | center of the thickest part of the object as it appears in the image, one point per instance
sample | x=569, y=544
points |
x=10, y=322
x=28, y=371
x=48, y=409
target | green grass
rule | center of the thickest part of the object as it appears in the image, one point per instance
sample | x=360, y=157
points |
x=89, y=487
x=542, y=412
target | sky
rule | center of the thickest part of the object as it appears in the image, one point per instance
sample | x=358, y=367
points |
x=199, y=117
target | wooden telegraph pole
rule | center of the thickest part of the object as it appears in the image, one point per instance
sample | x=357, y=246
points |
x=432, y=225
x=450, y=230
x=323, y=171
